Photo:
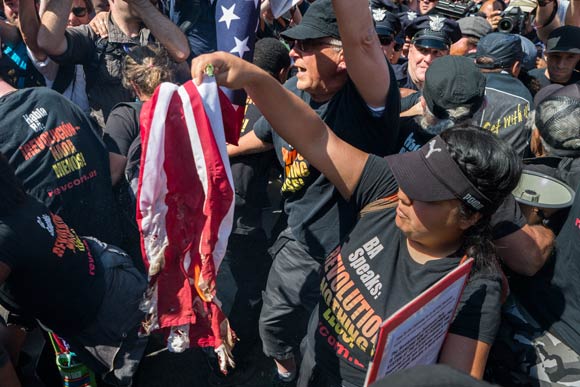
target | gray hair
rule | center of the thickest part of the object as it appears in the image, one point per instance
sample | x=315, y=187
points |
x=435, y=126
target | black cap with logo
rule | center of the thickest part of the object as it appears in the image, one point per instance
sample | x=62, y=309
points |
x=430, y=175
x=385, y=22
x=433, y=31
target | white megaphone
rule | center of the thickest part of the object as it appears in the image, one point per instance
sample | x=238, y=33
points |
x=538, y=190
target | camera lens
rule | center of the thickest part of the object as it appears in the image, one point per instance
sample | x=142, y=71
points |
x=505, y=25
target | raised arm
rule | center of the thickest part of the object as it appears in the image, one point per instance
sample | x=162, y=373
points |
x=573, y=13
x=29, y=25
x=295, y=121
x=52, y=26
x=546, y=20
x=163, y=29
x=365, y=61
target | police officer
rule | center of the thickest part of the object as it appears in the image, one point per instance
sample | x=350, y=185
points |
x=431, y=37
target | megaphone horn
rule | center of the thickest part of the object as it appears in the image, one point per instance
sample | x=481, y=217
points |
x=538, y=190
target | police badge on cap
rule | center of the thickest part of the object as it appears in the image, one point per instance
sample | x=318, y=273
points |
x=433, y=31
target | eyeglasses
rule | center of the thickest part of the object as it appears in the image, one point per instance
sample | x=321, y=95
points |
x=385, y=40
x=79, y=11
x=309, y=45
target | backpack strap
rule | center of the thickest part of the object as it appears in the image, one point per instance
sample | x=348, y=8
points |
x=98, y=57
x=64, y=77
x=379, y=204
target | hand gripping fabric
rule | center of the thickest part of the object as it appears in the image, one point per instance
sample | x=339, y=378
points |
x=185, y=206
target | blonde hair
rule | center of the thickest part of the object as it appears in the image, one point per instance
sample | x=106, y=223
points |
x=145, y=67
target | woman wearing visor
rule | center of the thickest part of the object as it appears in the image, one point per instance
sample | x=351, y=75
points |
x=446, y=193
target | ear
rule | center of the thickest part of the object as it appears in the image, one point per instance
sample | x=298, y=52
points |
x=465, y=223
x=536, y=143
x=341, y=65
x=515, y=69
x=283, y=74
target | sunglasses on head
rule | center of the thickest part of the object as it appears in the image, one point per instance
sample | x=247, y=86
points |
x=79, y=11
x=385, y=39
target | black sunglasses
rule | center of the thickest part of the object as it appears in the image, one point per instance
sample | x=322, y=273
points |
x=385, y=39
x=79, y=11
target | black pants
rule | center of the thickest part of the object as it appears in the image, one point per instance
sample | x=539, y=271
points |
x=292, y=291
x=240, y=281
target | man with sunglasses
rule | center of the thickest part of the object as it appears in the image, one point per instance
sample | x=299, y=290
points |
x=130, y=23
x=343, y=74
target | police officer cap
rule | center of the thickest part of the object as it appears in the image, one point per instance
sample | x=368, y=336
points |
x=385, y=22
x=433, y=31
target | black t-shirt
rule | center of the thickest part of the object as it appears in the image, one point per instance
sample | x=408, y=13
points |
x=540, y=75
x=507, y=110
x=250, y=174
x=317, y=214
x=372, y=275
x=61, y=161
x=54, y=276
x=411, y=136
x=552, y=296
x=122, y=127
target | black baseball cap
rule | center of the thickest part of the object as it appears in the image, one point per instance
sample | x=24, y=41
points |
x=430, y=175
x=319, y=21
x=504, y=49
x=453, y=81
x=433, y=31
x=564, y=39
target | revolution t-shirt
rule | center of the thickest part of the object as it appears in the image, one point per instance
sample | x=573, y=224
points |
x=372, y=275
x=60, y=159
x=54, y=276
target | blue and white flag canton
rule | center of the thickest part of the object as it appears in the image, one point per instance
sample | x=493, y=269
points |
x=236, y=24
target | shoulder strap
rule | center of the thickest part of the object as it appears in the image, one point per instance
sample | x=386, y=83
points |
x=64, y=77
x=379, y=204
x=133, y=105
x=98, y=56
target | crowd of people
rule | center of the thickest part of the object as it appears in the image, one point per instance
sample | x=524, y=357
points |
x=392, y=132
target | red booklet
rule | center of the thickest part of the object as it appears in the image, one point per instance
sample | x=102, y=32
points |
x=415, y=333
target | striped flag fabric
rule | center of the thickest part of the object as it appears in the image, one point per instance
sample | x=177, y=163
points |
x=185, y=205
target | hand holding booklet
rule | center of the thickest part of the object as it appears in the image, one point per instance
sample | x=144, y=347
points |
x=415, y=333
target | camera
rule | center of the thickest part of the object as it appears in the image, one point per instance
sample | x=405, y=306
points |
x=512, y=21
x=456, y=9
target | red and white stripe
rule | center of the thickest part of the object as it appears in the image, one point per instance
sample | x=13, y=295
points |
x=185, y=206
